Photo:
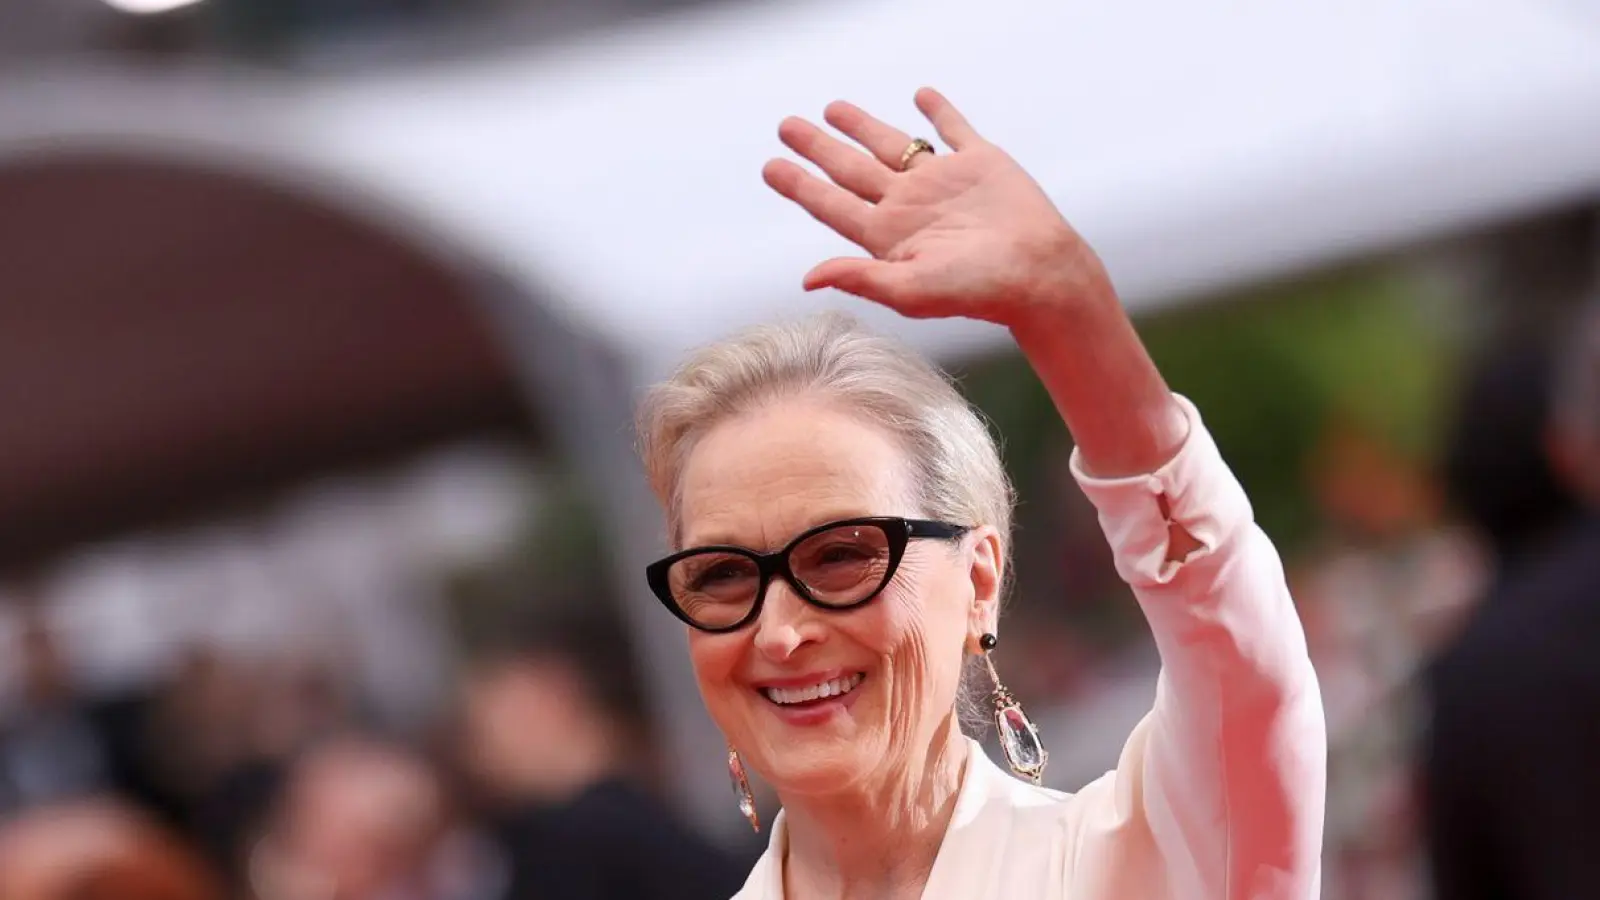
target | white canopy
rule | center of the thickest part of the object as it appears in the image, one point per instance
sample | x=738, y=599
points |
x=1195, y=145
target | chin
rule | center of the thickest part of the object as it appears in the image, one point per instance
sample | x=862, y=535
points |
x=816, y=765
x=794, y=771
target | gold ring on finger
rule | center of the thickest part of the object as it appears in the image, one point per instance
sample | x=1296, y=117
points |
x=917, y=145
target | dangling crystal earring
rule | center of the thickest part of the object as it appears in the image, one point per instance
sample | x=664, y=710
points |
x=741, y=789
x=1018, y=738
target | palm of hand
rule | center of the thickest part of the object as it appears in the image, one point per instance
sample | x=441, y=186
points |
x=966, y=234
x=952, y=225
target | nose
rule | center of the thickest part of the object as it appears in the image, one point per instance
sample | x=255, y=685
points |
x=786, y=623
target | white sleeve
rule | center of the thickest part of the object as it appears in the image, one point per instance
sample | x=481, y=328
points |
x=1220, y=791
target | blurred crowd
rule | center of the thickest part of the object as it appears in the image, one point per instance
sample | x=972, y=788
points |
x=1451, y=605
x=255, y=778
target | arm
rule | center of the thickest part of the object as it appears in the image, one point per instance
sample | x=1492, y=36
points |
x=1230, y=766
x=1224, y=781
x=1103, y=382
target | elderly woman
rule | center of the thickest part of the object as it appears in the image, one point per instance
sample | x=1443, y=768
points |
x=844, y=522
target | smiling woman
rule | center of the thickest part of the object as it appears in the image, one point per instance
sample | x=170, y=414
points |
x=844, y=527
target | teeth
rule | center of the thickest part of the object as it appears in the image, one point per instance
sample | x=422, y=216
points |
x=832, y=688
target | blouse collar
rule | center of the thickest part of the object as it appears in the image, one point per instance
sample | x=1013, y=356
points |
x=984, y=806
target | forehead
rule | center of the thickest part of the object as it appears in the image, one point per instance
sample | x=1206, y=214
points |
x=760, y=478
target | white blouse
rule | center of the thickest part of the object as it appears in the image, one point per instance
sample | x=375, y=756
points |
x=1219, y=792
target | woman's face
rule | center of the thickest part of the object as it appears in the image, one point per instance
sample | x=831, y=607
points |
x=759, y=480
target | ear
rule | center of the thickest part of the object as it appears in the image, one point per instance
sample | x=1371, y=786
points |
x=987, y=572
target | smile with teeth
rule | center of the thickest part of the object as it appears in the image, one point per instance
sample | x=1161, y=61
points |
x=834, y=688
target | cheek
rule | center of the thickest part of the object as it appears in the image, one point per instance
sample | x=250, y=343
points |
x=716, y=659
x=924, y=632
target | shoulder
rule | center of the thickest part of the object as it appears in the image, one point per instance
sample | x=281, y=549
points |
x=1033, y=842
x=765, y=881
x=1022, y=818
x=1534, y=625
x=1524, y=668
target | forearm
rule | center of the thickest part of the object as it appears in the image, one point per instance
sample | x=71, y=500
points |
x=1102, y=380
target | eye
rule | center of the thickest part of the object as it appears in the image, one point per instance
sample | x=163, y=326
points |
x=719, y=576
x=719, y=573
x=842, y=553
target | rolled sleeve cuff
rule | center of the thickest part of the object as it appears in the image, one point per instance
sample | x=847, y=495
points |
x=1201, y=495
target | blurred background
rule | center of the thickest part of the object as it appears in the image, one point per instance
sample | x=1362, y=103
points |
x=321, y=538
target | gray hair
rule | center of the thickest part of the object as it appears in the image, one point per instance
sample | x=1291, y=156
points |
x=957, y=470
x=958, y=473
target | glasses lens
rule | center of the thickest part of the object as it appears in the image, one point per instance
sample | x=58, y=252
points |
x=714, y=589
x=842, y=565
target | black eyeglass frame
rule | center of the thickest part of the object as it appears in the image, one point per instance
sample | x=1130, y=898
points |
x=898, y=531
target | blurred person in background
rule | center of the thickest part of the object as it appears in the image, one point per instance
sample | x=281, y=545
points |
x=1392, y=581
x=362, y=819
x=195, y=730
x=174, y=748
x=1512, y=762
x=95, y=850
x=551, y=738
x=217, y=736
x=842, y=523
x=52, y=748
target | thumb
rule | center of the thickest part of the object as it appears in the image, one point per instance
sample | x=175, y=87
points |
x=871, y=279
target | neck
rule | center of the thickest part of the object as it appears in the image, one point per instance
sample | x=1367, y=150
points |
x=877, y=839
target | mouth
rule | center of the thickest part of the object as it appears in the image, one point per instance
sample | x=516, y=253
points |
x=815, y=695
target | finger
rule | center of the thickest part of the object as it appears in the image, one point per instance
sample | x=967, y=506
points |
x=952, y=126
x=885, y=142
x=849, y=168
x=871, y=279
x=829, y=204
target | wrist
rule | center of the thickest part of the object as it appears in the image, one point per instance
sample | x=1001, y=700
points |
x=1067, y=315
x=1075, y=293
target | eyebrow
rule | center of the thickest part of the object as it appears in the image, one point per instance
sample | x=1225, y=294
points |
x=721, y=539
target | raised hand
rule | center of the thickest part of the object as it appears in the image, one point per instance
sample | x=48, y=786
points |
x=966, y=234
